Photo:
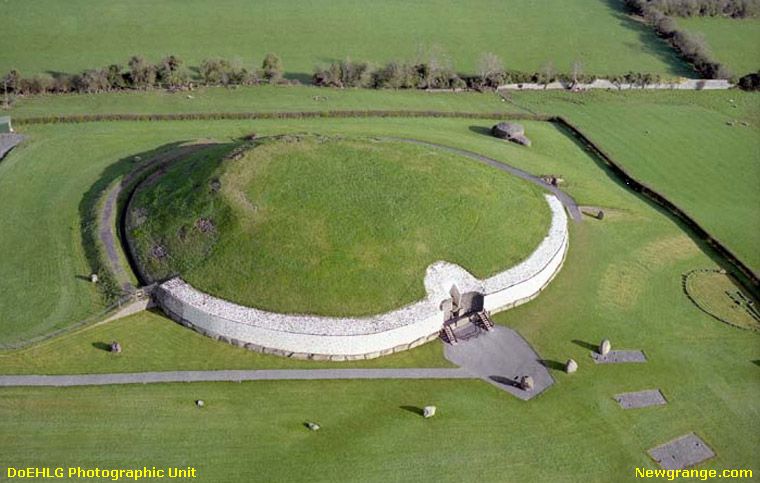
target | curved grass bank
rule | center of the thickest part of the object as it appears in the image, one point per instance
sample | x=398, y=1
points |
x=329, y=226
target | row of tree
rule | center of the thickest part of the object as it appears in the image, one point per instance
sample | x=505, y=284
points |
x=169, y=73
x=435, y=75
x=698, y=8
x=692, y=47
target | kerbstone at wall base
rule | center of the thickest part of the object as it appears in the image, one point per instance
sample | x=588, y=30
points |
x=335, y=339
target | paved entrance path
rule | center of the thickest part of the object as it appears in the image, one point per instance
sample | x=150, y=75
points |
x=232, y=376
x=501, y=357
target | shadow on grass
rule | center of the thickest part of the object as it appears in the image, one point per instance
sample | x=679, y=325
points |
x=585, y=345
x=102, y=346
x=756, y=362
x=413, y=409
x=130, y=169
x=549, y=364
x=649, y=42
x=485, y=131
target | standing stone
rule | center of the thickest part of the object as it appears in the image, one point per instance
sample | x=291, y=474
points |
x=115, y=347
x=428, y=411
x=94, y=278
x=526, y=383
x=571, y=366
x=604, y=347
x=312, y=426
x=200, y=403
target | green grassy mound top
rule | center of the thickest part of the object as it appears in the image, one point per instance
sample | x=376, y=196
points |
x=330, y=226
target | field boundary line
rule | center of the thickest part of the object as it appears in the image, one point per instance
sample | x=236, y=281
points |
x=659, y=199
x=217, y=116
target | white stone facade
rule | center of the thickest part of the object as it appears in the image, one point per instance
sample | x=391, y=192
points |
x=342, y=338
x=683, y=84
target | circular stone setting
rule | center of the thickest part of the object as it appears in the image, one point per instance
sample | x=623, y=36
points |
x=329, y=226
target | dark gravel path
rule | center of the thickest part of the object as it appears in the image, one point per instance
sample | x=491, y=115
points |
x=567, y=200
x=231, y=376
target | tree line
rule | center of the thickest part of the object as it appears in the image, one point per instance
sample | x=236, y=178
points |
x=170, y=73
x=698, y=8
x=692, y=47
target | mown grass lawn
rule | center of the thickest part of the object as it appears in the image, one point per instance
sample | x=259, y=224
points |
x=733, y=42
x=47, y=35
x=331, y=226
x=621, y=280
x=698, y=149
x=264, y=98
x=40, y=277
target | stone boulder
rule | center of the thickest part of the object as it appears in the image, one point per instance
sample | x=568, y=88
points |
x=571, y=366
x=604, y=347
x=507, y=130
x=312, y=426
x=511, y=132
x=526, y=383
x=428, y=411
x=94, y=278
x=200, y=403
x=115, y=347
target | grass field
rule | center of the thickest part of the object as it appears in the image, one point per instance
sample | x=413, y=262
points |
x=331, y=226
x=41, y=280
x=262, y=98
x=698, y=149
x=733, y=42
x=525, y=33
x=621, y=280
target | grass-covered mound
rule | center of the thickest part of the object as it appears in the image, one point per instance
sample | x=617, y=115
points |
x=330, y=226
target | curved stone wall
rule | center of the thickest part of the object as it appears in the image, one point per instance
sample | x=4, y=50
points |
x=334, y=338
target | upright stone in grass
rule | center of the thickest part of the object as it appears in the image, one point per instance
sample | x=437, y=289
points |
x=200, y=403
x=115, y=347
x=571, y=366
x=94, y=278
x=312, y=426
x=604, y=347
x=428, y=411
x=526, y=383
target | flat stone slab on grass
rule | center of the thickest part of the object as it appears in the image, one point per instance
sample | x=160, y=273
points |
x=619, y=357
x=640, y=399
x=501, y=357
x=683, y=452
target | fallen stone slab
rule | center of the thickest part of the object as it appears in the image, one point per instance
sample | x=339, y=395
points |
x=640, y=399
x=683, y=452
x=619, y=357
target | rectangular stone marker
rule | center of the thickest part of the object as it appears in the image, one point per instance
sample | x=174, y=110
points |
x=686, y=451
x=617, y=357
x=640, y=399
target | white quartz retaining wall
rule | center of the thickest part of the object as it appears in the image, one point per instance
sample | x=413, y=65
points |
x=685, y=84
x=334, y=338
